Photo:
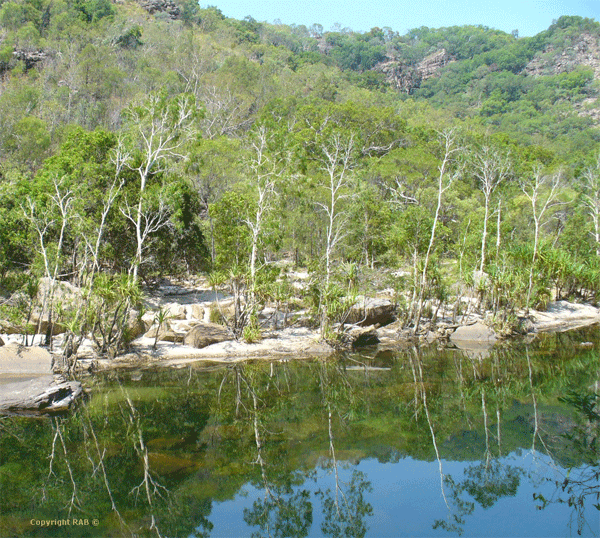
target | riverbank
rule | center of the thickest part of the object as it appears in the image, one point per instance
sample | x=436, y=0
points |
x=302, y=342
x=187, y=334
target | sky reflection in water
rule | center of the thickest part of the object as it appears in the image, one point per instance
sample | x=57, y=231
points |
x=252, y=449
x=407, y=500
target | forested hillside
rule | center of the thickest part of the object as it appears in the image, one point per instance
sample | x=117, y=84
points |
x=162, y=138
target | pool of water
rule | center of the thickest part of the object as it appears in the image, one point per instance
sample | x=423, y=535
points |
x=418, y=442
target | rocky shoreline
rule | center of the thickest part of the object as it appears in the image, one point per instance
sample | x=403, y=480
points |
x=28, y=385
x=302, y=342
x=30, y=380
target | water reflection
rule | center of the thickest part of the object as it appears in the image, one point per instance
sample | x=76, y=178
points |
x=343, y=447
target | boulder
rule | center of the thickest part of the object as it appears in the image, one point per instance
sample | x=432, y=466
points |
x=40, y=394
x=40, y=324
x=481, y=280
x=63, y=292
x=165, y=333
x=477, y=333
x=161, y=6
x=226, y=308
x=195, y=311
x=177, y=330
x=1, y=342
x=272, y=317
x=17, y=359
x=148, y=319
x=205, y=334
x=363, y=336
x=174, y=311
x=135, y=324
x=7, y=327
x=368, y=311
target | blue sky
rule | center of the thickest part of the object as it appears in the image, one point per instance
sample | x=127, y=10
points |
x=527, y=16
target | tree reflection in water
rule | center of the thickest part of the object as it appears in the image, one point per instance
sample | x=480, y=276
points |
x=582, y=484
x=489, y=480
x=160, y=458
x=281, y=512
x=344, y=509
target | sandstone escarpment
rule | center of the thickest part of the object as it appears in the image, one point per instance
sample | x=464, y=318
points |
x=407, y=78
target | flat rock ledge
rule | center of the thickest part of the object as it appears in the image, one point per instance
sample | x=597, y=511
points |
x=45, y=394
x=27, y=386
x=563, y=316
x=297, y=342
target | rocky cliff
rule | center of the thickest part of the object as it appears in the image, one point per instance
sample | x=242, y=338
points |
x=407, y=78
x=161, y=6
x=584, y=51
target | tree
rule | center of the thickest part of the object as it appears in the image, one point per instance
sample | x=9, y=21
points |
x=490, y=168
x=158, y=129
x=448, y=173
x=53, y=215
x=264, y=169
x=337, y=163
x=542, y=191
x=591, y=185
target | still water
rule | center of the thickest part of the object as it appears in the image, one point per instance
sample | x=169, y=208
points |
x=415, y=442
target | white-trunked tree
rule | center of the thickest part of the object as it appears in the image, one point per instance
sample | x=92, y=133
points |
x=158, y=129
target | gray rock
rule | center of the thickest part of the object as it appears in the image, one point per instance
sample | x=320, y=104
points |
x=271, y=317
x=40, y=394
x=1, y=342
x=41, y=324
x=205, y=334
x=10, y=328
x=27, y=384
x=161, y=6
x=371, y=312
x=174, y=311
x=17, y=359
x=63, y=292
x=481, y=280
x=163, y=333
x=135, y=325
x=148, y=319
x=363, y=336
x=195, y=311
x=477, y=332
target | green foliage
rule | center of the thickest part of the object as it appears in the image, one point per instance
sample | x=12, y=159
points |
x=108, y=82
x=94, y=10
x=131, y=39
x=252, y=333
x=111, y=302
x=230, y=233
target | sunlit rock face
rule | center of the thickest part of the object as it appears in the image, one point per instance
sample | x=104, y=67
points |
x=27, y=385
x=161, y=6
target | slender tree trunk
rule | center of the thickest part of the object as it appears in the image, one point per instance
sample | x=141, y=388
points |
x=484, y=233
x=498, y=230
x=444, y=184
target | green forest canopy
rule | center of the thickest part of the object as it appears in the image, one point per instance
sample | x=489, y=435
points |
x=184, y=141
